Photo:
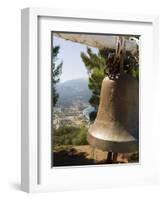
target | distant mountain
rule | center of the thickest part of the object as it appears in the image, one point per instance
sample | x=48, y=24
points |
x=73, y=91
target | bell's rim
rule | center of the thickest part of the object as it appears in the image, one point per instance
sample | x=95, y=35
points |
x=114, y=146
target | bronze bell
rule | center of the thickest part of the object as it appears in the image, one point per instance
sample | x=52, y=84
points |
x=116, y=127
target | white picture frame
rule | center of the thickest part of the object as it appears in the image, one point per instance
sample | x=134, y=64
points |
x=36, y=172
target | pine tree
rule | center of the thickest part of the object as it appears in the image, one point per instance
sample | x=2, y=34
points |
x=95, y=64
x=56, y=72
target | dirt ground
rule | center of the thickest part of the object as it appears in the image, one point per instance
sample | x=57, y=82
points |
x=86, y=155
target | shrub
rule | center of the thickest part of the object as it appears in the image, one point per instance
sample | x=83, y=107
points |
x=69, y=135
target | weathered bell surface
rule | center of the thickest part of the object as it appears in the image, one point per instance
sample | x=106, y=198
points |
x=116, y=127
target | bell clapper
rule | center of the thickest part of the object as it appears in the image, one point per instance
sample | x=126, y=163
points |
x=111, y=157
x=93, y=155
x=115, y=155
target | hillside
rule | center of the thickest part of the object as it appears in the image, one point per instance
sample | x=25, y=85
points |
x=72, y=92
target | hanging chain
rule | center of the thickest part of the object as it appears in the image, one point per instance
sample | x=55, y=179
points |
x=115, y=62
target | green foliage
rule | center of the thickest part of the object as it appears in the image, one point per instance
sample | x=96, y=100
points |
x=56, y=72
x=131, y=65
x=95, y=64
x=92, y=116
x=69, y=135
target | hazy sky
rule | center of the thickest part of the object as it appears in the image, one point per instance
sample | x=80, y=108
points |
x=73, y=66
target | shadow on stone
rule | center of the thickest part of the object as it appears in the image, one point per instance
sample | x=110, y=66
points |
x=72, y=158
